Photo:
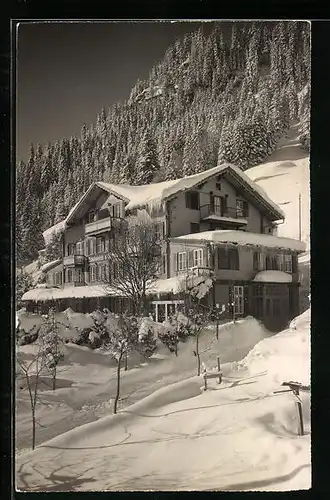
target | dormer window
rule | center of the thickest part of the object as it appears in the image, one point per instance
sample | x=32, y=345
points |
x=218, y=186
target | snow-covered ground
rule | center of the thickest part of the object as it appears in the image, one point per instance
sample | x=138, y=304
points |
x=238, y=435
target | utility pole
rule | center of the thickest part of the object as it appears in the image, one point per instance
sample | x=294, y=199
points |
x=299, y=216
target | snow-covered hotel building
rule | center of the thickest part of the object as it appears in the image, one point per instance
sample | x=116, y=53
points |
x=217, y=221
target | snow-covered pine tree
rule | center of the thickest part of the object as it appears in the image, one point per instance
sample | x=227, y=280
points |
x=147, y=160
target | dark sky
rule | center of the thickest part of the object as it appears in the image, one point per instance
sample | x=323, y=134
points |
x=66, y=72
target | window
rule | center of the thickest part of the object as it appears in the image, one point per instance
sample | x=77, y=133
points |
x=258, y=261
x=116, y=210
x=159, y=230
x=288, y=263
x=228, y=258
x=93, y=274
x=242, y=208
x=70, y=275
x=194, y=227
x=217, y=205
x=58, y=278
x=198, y=257
x=100, y=245
x=238, y=299
x=272, y=263
x=79, y=248
x=79, y=276
x=182, y=261
x=101, y=272
x=218, y=186
x=280, y=262
x=71, y=249
x=192, y=200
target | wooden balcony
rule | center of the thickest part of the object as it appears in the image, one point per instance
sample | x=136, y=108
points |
x=74, y=260
x=228, y=215
x=98, y=226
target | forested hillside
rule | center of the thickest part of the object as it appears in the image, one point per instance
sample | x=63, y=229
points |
x=212, y=98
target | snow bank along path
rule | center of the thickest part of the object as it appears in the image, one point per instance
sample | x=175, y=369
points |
x=236, y=436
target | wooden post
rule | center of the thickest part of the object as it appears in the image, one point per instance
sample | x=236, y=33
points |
x=205, y=380
x=300, y=418
x=220, y=374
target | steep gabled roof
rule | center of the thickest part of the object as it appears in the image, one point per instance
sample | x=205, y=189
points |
x=154, y=195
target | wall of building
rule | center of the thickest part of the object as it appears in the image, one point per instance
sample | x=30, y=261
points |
x=180, y=217
x=73, y=234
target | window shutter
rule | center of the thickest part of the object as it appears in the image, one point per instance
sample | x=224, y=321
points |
x=268, y=263
x=222, y=258
x=205, y=259
x=245, y=209
x=93, y=245
x=107, y=245
x=255, y=261
x=190, y=258
x=211, y=203
x=175, y=262
x=187, y=200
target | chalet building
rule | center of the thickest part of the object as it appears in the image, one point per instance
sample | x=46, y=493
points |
x=217, y=222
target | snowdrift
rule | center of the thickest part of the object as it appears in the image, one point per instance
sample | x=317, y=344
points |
x=238, y=436
x=285, y=356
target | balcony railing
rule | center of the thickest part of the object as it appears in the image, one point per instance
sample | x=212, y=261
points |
x=98, y=226
x=231, y=213
x=196, y=271
x=74, y=260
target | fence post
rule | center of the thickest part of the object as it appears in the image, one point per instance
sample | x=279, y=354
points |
x=220, y=374
x=300, y=418
x=205, y=380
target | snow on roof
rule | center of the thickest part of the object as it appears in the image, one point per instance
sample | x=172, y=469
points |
x=273, y=277
x=155, y=194
x=169, y=285
x=245, y=238
x=49, y=265
x=43, y=294
x=52, y=231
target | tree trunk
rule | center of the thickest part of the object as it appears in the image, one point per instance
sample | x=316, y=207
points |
x=54, y=378
x=217, y=333
x=198, y=357
x=126, y=361
x=33, y=429
x=118, y=385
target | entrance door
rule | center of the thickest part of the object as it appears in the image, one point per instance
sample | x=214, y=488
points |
x=276, y=312
x=238, y=300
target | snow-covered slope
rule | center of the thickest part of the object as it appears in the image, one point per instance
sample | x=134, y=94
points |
x=239, y=435
x=285, y=176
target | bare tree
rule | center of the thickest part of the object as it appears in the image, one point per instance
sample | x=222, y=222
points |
x=135, y=260
x=195, y=288
x=31, y=371
x=121, y=339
